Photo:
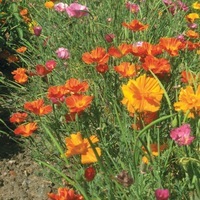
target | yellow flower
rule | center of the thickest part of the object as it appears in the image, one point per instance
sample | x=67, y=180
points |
x=76, y=145
x=191, y=17
x=142, y=95
x=189, y=101
x=196, y=5
x=32, y=25
x=49, y=4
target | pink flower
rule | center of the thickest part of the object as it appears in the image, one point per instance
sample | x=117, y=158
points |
x=181, y=37
x=181, y=135
x=63, y=53
x=50, y=64
x=109, y=37
x=76, y=10
x=60, y=7
x=162, y=194
x=37, y=30
x=132, y=7
x=192, y=25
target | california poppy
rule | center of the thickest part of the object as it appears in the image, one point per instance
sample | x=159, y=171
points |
x=135, y=25
x=120, y=51
x=18, y=117
x=37, y=107
x=20, y=75
x=26, y=130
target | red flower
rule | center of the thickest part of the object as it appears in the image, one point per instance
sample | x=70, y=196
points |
x=26, y=130
x=50, y=64
x=90, y=173
x=41, y=70
x=65, y=194
x=135, y=25
x=18, y=117
x=78, y=103
x=97, y=55
x=102, y=68
x=38, y=107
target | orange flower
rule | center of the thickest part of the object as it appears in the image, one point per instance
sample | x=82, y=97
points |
x=75, y=86
x=143, y=49
x=189, y=77
x=171, y=45
x=156, y=65
x=18, y=117
x=142, y=95
x=97, y=55
x=26, y=130
x=192, y=34
x=126, y=69
x=57, y=93
x=23, y=12
x=153, y=150
x=135, y=25
x=189, y=101
x=12, y=58
x=65, y=194
x=49, y=4
x=38, y=107
x=20, y=75
x=192, y=17
x=21, y=49
x=120, y=51
x=191, y=46
x=76, y=145
x=78, y=103
x=41, y=70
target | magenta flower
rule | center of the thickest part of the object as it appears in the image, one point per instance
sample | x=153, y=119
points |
x=192, y=25
x=50, y=64
x=63, y=53
x=162, y=194
x=181, y=37
x=60, y=7
x=181, y=135
x=76, y=10
x=37, y=30
x=132, y=7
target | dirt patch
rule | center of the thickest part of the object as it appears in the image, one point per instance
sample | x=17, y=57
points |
x=20, y=176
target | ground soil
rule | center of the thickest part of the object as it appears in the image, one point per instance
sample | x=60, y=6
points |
x=20, y=176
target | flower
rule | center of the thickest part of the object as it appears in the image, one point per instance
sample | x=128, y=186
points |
x=97, y=55
x=122, y=50
x=189, y=77
x=192, y=34
x=126, y=69
x=109, y=37
x=143, y=94
x=162, y=194
x=60, y=7
x=156, y=65
x=65, y=194
x=132, y=7
x=90, y=173
x=76, y=145
x=38, y=107
x=196, y=5
x=26, y=130
x=189, y=101
x=76, y=10
x=20, y=75
x=192, y=25
x=37, y=30
x=50, y=65
x=78, y=103
x=181, y=135
x=171, y=45
x=63, y=53
x=192, y=17
x=41, y=70
x=18, y=117
x=21, y=49
x=102, y=68
x=49, y=4
x=75, y=86
x=57, y=93
x=135, y=25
